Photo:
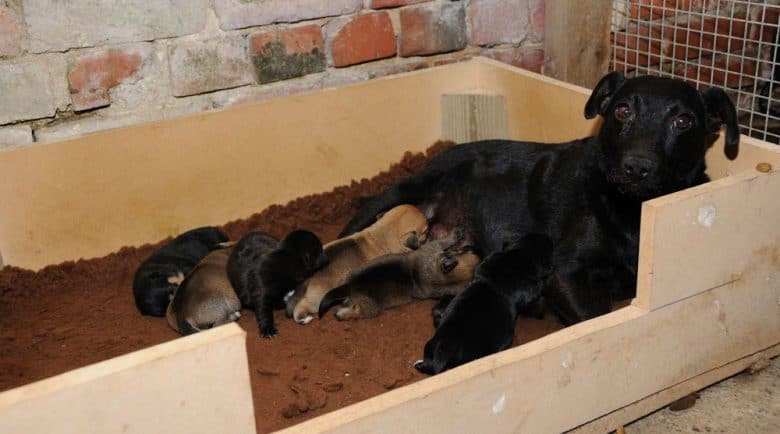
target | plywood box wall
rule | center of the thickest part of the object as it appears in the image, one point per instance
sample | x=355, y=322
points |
x=707, y=297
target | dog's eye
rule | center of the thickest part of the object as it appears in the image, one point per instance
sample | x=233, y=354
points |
x=683, y=122
x=622, y=112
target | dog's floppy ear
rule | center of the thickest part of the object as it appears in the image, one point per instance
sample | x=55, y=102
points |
x=602, y=94
x=720, y=110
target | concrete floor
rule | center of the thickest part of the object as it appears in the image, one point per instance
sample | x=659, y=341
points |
x=744, y=403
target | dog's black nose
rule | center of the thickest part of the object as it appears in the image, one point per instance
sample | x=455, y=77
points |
x=637, y=167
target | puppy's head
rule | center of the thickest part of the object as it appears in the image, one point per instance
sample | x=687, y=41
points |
x=307, y=248
x=403, y=226
x=655, y=132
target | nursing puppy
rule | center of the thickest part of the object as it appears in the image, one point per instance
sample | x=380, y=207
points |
x=205, y=298
x=436, y=269
x=158, y=276
x=400, y=229
x=502, y=282
x=261, y=283
x=586, y=194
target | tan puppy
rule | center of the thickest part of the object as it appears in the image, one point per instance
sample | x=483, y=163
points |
x=205, y=298
x=436, y=269
x=400, y=229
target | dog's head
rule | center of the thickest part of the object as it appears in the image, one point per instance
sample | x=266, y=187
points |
x=656, y=131
x=308, y=249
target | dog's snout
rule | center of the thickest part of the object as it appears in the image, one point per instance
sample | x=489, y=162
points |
x=637, y=167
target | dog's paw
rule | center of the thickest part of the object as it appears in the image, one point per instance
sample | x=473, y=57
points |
x=288, y=295
x=347, y=313
x=425, y=367
x=268, y=332
x=304, y=320
x=234, y=316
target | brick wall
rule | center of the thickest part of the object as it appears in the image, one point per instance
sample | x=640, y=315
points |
x=78, y=66
x=729, y=43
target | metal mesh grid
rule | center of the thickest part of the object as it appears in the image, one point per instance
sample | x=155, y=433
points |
x=732, y=44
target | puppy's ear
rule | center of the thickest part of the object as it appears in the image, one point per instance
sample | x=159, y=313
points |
x=602, y=94
x=720, y=110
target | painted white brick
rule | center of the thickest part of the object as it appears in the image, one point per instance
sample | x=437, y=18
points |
x=32, y=88
x=57, y=25
x=15, y=135
x=238, y=14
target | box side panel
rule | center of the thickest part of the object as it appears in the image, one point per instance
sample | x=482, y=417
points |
x=89, y=196
x=539, y=108
x=706, y=236
x=597, y=369
x=612, y=421
x=193, y=384
x=751, y=153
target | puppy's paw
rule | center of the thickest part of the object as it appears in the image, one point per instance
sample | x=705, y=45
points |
x=304, y=320
x=234, y=316
x=425, y=367
x=288, y=295
x=347, y=313
x=268, y=332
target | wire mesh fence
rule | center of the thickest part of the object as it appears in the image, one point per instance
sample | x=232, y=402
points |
x=732, y=44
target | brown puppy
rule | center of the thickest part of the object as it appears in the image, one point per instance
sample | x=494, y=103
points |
x=438, y=268
x=205, y=298
x=398, y=230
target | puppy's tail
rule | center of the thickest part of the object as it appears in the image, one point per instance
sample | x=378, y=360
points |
x=334, y=296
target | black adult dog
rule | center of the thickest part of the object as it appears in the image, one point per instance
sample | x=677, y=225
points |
x=585, y=195
x=159, y=275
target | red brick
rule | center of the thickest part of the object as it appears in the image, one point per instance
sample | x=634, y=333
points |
x=764, y=25
x=10, y=33
x=528, y=57
x=381, y=4
x=699, y=38
x=91, y=76
x=654, y=9
x=506, y=22
x=367, y=37
x=431, y=29
x=734, y=72
x=288, y=53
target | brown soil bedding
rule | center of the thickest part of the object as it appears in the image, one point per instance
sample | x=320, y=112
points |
x=76, y=313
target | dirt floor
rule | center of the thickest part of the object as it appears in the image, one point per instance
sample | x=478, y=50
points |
x=82, y=312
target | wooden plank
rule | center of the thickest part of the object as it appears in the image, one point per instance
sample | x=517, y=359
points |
x=540, y=109
x=89, y=196
x=576, y=40
x=473, y=116
x=621, y=357
x=705, y=236
x=630, y=413
x=198, y=383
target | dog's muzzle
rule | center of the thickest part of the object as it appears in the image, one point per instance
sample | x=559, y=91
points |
x=637, y=168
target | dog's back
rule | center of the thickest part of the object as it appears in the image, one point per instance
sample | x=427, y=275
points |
x=159, y=275
x=205, y=298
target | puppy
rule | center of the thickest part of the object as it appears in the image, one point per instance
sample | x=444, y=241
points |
x=436, y=269
x=400, y=229
x=262, y=275
x=158, y=276
x=481, y=319
x=205, y=298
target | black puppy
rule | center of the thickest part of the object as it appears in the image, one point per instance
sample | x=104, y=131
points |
x=482, y=320
x=586, y=195
x=262, y=271
x=158, y=276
